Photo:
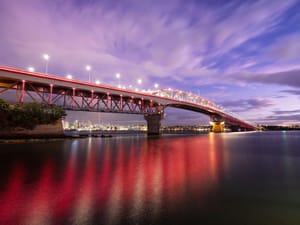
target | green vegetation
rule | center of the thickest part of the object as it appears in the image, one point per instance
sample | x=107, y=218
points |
x=28, y=115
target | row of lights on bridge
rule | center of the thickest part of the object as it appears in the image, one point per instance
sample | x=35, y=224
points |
x=88, y=68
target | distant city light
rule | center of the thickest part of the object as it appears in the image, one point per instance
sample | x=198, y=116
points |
x=156, y=85
x=118, y=75
x=98, y=82
x=30, y=69
x=69, y=76
x=139, y=81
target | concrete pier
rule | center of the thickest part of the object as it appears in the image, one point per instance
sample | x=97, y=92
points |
x=217, y=126
x=153, y=123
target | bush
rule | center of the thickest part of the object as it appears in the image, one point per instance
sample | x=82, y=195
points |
x=28, y=115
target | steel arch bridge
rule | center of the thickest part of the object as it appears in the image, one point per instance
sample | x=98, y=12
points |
x=85, y=96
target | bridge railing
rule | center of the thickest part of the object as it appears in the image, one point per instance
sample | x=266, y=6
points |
x=186, y=96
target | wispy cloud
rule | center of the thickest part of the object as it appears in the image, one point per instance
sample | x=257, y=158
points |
x=293, y=92
x=295, y=118
x=281, y=112
x=243, y=105
x=172, y=39
x=288, y=78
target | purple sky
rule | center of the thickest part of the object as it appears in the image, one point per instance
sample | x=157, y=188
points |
x=244, y=55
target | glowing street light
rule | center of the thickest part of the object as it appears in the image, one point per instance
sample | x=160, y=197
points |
x=156, y=85
x=46, y=57
x=69, y=76
x=118, y=76
x=88, y=68
x=30, y=69
x=98, y=82
x=139, y=81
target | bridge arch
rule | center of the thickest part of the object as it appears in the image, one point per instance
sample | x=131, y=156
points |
x=87, y=96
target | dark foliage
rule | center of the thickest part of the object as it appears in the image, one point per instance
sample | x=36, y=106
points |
x=28, y=115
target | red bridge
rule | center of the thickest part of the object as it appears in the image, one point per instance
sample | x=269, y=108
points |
x=85, y=96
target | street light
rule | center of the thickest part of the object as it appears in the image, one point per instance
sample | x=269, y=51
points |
x=69, y=76
x=118, y=76
x=139, y=81
x=98, y=82
x=30, y=69
x=88, y=68
x=156, y=85
x=46, y=57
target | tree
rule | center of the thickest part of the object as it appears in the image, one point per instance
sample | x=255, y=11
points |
x=28, y=115
x=4, y=106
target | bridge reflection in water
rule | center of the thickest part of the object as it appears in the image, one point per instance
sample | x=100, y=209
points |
x=97, y=181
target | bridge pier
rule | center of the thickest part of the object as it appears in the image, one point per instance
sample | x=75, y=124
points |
x=153, y=123
x=217, y=126
x=217, y=123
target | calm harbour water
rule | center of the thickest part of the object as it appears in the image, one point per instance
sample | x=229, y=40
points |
x=231, y=178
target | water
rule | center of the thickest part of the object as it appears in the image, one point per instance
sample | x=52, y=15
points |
x=231, y=178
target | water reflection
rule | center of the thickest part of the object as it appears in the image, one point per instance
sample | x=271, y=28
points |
x=128, y=180
x=100, y=179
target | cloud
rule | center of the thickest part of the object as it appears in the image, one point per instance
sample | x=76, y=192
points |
x=243, y=105
x=293, y=92
x=258, y=17
x=169, y=39
x=288, y=78
x=284, y=49
x=283, y=118
x=281, y=112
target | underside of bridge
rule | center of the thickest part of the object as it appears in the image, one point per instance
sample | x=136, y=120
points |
x=219, y=122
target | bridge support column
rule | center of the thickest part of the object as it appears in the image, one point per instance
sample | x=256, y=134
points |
x=217, y=124
x=153, y=123
x=23, y=91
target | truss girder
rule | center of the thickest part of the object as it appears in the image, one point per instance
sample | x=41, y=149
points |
x=82, y=100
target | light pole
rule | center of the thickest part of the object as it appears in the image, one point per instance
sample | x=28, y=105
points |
x=88, y=68
x=118, y=76
x=46, y=57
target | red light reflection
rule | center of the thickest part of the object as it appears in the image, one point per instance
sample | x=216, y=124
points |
x=133, y=177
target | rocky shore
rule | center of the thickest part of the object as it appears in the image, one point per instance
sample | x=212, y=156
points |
x=54, y=130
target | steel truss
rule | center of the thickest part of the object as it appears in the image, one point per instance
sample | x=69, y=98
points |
x=81, y=100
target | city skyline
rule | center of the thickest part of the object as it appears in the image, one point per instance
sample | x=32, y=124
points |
x=243, y=55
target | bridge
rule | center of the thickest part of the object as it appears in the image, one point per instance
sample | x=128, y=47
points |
x=86, y=96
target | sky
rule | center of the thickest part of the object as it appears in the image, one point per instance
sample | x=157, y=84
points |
x=243, y=55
